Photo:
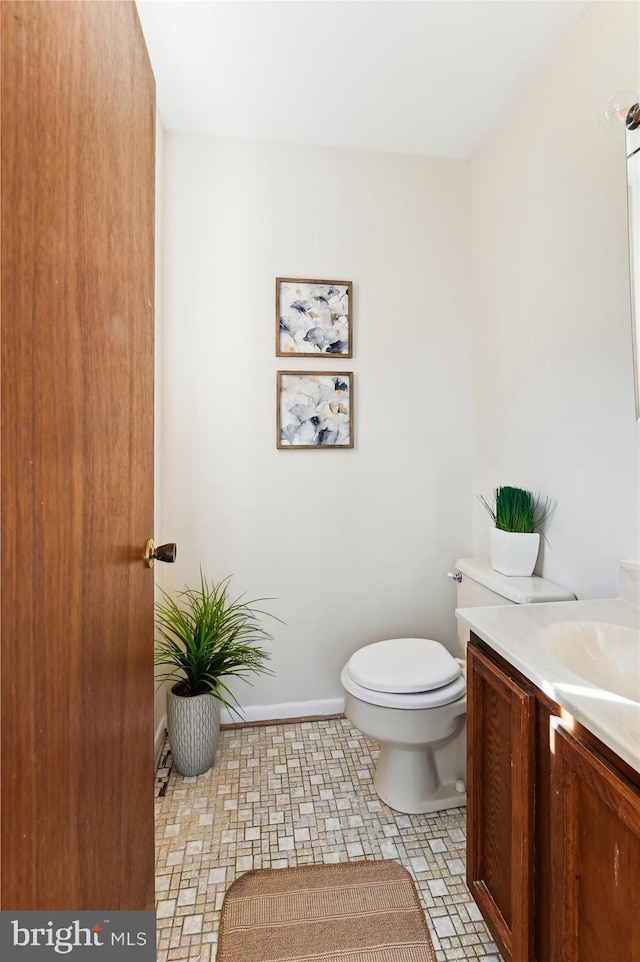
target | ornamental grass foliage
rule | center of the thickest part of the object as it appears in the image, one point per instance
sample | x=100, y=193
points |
x=205, y=635
x=518, y=510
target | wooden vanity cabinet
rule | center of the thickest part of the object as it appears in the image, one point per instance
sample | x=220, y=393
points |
x=500, y=800
x=595, y=851
x=553, y=825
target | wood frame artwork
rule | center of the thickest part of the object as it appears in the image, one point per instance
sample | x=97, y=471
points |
x=313, y=318
x=314, y=409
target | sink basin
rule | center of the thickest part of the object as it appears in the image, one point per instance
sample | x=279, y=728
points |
x=604, y=654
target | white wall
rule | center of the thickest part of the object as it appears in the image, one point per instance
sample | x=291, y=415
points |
x=353, y=544
x=554, y=404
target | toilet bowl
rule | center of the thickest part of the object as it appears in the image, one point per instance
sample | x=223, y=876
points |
x=409, y=694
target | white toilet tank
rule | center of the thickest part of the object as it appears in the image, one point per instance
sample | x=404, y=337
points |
x=481, y=586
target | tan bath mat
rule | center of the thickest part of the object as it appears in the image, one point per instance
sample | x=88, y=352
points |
x=365, y=911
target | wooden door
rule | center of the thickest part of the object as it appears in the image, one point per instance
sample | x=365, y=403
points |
x=500, y=800
x=595, y=852
x=78, y=117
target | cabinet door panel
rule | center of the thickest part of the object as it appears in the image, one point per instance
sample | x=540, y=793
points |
x=596, y=856
x=501, y=739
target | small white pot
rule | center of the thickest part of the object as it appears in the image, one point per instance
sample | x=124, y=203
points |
x=513, y=553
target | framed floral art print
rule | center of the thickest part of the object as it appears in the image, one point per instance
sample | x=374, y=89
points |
x=314, y=409
x=313, y=318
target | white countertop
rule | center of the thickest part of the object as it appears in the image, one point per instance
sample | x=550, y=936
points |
x=516, y=632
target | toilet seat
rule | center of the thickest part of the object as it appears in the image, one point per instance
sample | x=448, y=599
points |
x=405, y=700
x=405, y=673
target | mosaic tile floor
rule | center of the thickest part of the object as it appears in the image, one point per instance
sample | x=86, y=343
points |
x=293, y=794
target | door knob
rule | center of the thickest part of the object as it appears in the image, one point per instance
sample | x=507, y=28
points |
x=164, y=552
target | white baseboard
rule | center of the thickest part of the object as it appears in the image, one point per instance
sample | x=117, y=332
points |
x=253, y=713
x=287, y=709
x=159, y=739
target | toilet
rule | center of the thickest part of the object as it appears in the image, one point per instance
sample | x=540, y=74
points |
x=409, y=694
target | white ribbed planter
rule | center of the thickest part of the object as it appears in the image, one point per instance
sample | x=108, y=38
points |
x=194, y=728
x=513, y=553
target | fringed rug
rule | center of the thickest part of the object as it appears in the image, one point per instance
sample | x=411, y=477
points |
x=366, y=911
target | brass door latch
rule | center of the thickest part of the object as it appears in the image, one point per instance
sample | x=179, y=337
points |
x=164, y=552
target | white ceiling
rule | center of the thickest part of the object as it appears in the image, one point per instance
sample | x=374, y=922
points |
x=404, y=76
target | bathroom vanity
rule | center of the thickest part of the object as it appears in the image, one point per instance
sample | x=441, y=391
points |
x=553, y=833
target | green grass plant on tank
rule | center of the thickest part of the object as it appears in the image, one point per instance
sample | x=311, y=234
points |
x=516, y=509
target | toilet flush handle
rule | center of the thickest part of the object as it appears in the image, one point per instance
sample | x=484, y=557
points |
x=454, y=575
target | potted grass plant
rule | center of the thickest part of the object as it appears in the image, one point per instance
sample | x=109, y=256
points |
x=514, y=541
x=204, y=635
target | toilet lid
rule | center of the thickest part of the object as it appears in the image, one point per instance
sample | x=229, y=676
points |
x=413, y=700
x=403, y=665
